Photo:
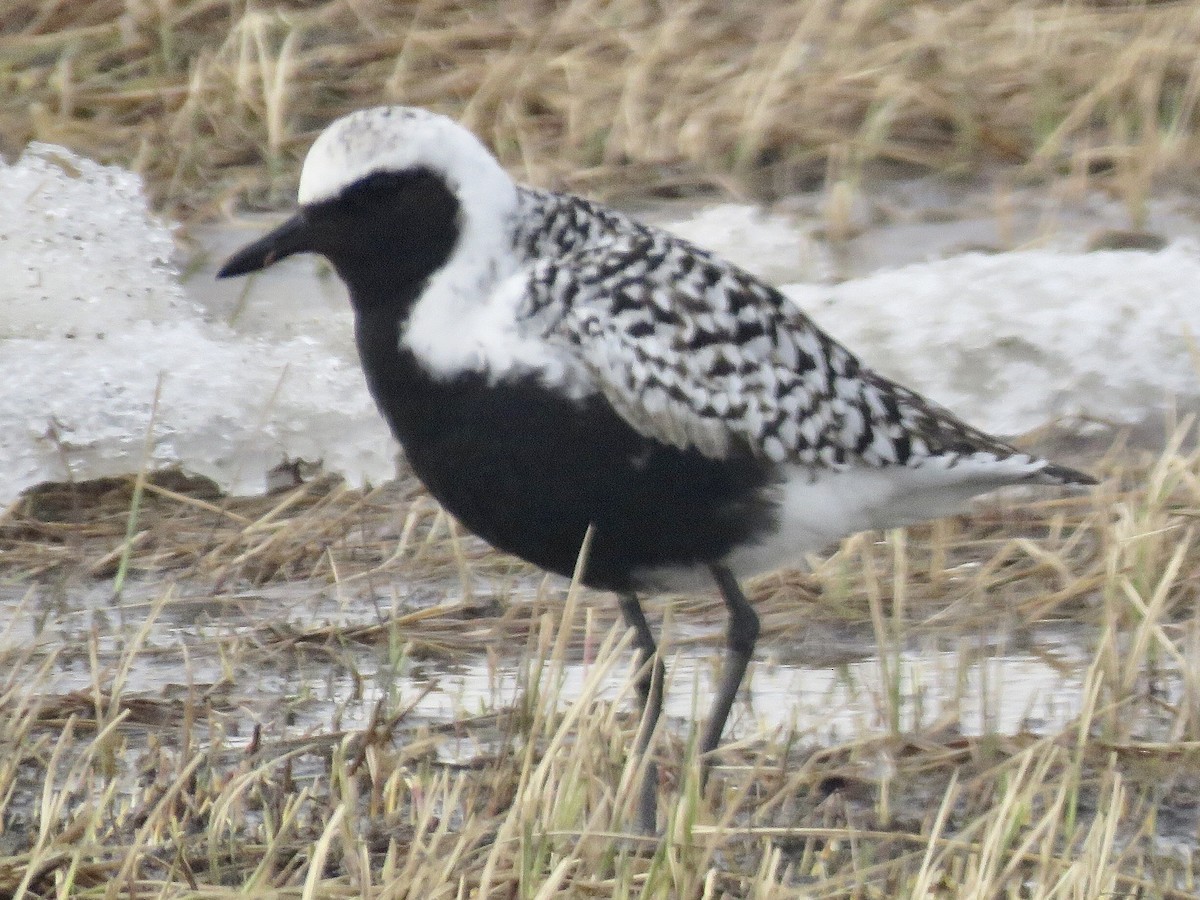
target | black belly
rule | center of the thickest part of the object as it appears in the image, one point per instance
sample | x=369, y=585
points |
x=529, y=470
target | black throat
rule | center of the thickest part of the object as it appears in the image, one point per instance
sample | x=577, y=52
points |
x=386, y=234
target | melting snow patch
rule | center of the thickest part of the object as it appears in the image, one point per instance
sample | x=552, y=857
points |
x=769, y=245
x=92, y=316
x=1011, y=341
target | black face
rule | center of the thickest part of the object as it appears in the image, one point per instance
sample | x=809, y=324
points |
x=385, y=234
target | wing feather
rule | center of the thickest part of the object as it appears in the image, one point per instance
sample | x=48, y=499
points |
x=695, y=352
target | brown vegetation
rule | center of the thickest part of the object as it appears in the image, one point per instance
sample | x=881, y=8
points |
x=216, y=100
x=192, y=781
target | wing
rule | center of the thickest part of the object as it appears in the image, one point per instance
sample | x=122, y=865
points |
x=695, y=352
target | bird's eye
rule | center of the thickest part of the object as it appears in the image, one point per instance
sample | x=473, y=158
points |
x=372, y=186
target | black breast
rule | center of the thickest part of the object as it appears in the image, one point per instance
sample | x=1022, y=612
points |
x=529, y=470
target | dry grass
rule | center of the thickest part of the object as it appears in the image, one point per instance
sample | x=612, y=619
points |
x=114, y=782
x=215, y=100
x=207, y=697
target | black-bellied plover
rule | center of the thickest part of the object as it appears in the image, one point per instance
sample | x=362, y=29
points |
x=550, y=365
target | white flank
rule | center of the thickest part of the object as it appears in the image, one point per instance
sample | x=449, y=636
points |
x=817, y=508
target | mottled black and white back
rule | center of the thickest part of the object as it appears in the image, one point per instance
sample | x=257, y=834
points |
x=550, y=365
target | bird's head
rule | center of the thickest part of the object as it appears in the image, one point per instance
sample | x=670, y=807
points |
x=388, y=195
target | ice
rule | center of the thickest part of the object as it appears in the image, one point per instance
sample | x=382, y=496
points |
x=1011, y=341
x=770, y=245
x=94, y=322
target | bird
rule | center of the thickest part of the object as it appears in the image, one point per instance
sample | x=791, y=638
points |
x=555, y=369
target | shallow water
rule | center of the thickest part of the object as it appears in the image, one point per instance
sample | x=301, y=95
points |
x=256, y=652
x=826, y=705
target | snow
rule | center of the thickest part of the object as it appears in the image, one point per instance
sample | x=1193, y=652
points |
x=770, y=245
x=95, y=320
x=1011, y=341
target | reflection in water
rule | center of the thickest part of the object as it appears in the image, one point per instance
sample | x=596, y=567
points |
x=255, y=660
x=995, y=694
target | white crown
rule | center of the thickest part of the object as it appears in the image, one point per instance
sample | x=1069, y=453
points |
x=400, y=138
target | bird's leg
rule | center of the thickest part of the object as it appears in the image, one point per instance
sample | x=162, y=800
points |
x=650, y=689
x=739, y=646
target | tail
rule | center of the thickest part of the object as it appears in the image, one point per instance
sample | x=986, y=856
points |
x=1051, y=473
